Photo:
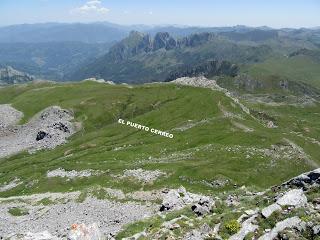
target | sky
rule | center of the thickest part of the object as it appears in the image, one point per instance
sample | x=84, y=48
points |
x=272, y=13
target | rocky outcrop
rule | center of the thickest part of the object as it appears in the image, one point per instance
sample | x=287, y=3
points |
x=267, y=211
x=134, y=44
x=196, y=39
x=294, y=197
x=305, y=180
x=9, y=75
x=177, y=199
x=137, y=43
x=197, y=82
x=207, y=69
x=280, y=226
x=48, y=129
x=164, y=40
x=203, y=206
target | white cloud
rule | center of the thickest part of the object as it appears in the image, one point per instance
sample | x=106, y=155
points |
x=91, y=6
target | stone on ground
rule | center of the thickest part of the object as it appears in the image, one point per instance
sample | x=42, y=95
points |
x=293, y=197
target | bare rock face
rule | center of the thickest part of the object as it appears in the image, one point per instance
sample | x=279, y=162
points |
x=138, y=43
x=196, y=39
x=163, y=40
x=207, y=69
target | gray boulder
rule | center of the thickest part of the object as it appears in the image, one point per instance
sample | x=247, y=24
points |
x=267, y=211
x=203, y=206
x=305, y=180
x=316, y=230
x=293, y=197
x=177, y=199
x=280, y=226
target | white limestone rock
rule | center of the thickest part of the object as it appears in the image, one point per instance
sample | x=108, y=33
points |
x=246, y=227
x=267, y=211
x=280, y=226
x=293, y=197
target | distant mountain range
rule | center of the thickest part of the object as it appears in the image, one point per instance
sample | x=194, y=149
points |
x=105, y=32
x=143, y=58
x=139, y=53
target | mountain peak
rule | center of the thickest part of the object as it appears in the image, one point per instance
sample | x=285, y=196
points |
x=164, y=40
x=138, y=42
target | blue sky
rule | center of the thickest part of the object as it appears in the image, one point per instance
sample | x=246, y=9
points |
x=274, y=13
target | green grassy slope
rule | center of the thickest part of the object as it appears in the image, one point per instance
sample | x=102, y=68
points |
x=298, y=68
x=214, y=149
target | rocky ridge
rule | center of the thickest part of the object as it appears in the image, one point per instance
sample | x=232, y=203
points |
x=207, y=69
x=137, y=43
x=9, y=75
